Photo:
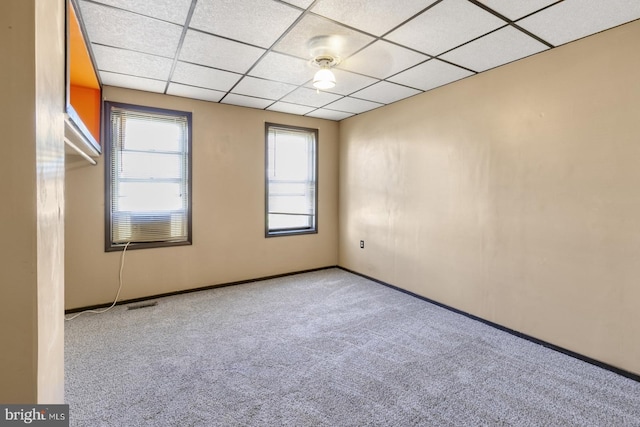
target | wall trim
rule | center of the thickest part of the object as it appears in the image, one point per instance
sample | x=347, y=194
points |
x=187, y=291
x=595, y=362
x=603, y=365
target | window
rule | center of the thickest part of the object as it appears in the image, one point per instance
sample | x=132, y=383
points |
x=148, y=177
x=291, y=182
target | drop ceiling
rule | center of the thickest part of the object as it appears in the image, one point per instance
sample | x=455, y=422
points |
x=255, y=53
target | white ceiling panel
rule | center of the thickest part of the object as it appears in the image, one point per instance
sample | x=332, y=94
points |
x=283, y=68
x=195, y=92
x=285, y=107
x=168, y=10
x=500, y=47
x=347, y=83
x=257, y=53
x=134, y=63
x=353, y=105
x=262, y=88
x=372, y=16
x=516, y=9
x=119, y=28
x=198, y=75
x=385, y=93
x=329, y=114
x=300, y=3
x=382, y=59
x=344, y=40
x=132, y=82
x=311, y=97
x=573, y=19
x=256, y=22
x=430, y=75
x=445, y=26
x=246, y=101
x=217, y=52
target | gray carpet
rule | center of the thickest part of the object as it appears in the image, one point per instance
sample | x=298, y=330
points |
x=326, y=348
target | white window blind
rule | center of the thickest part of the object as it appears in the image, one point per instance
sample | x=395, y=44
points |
x=149, y=176
x=291, y=180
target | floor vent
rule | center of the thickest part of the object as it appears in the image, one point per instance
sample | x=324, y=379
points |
x=142, y=305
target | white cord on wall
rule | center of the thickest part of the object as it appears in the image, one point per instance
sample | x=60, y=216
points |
x=104, y=310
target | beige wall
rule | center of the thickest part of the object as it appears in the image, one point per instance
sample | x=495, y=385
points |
x=32, y=214
x=228, y=211
x=512, y=195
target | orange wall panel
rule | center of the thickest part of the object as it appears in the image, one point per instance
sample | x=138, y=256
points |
x=81, y=69
x=86, y=102
x=84, y=87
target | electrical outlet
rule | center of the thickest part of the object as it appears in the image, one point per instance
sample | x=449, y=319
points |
x=361, y=244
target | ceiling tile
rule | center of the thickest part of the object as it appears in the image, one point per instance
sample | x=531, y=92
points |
x=135, y=43
x=194, y=92
x=311, y=97
x=129, y=62
x=114, y=27
x=344, y=41
x=262, y=88
x=353, y=105
x=573, y=19
x=246, y=101
x=241, y=19
x=198, y=75
x=217, y=52
x=300, y=3
x=167, y=10
x=500, y=47
x=285, y=107
x=382, y=59
x=385, y=92
x=430, y=75
x=372, y=16
x=347, y=83
x=516, y=9
x=132, y=82
x=283, y=68
x=329, y=114
x=446, y=25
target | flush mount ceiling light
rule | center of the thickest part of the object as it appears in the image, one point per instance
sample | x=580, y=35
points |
x=324, y=51
x=324, y=78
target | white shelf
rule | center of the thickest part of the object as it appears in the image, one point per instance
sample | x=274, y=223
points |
x=76, y=144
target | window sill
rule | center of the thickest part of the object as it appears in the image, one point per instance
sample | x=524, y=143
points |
x=143, y=245
x=290, y=232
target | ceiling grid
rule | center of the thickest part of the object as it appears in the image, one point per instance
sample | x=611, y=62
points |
x=258, y=53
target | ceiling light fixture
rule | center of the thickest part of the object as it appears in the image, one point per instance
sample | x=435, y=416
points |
x=325, y=51
x=324, y=78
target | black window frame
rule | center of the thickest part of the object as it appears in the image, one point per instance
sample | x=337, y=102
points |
x=316, y=152
x=110, y=246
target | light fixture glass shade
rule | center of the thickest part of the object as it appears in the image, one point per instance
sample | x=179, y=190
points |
x=324, y=79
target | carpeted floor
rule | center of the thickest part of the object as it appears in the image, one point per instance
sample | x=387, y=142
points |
x=326, y=348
